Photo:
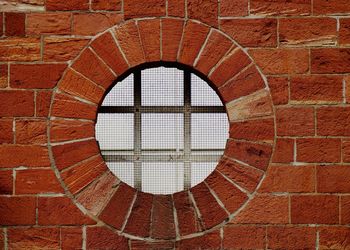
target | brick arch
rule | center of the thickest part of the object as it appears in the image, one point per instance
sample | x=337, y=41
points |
x=233, y=75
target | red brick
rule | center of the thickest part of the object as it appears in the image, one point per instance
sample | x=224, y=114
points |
x=35, y=76
x=3, y=74
x=49, y=23
x=68, y=107
x=103, y=238
x=20, y=49
x=58, y=49
x=66, y=130
x=6, y=182
x=163, y=224
x=210, y=215
x=193, y=39
x=89, y=24
x=1, y=24
x=291, y=179
x=346, y=150
x=229, y=195
x=252, y=32
x=329, y=60
x=265, y=209
x=207, y=60
x=204, y=11
x=318, y=150
x=333, y=179
x=281, y=61
x=6, y=131
x=295, y=121
x=98, y=193
x=308, y=31
x=77, y=85
x=139, y=221
x=144, y=245
x=107, y=49
x=50, y=212
x=334, y=238
x=344, y=31
x=150, y=8
x=2, y=237
x=15, y=24
x=244, y=237
x=31, y=132
x=93, y=68
x=67, y=155
x=232, y=65
x=279, y=88
x=176, y=8
x=315, y=209
x=67, y=5
x=172, y=30
x=256, y=155
x=117, y=209
x=331, y=7
x=43, y=103
x=254, y=130
x=244, y=176
x=210, y=241
x=284, y=151
x=130, y=43
x=34, y=238
x=37, y=181
x=345, y=210
x=150, y=38
x=233, y=8
x=106, y=5
x=16, y=103
x=245, y=83
x=186, y=216
x=71, y=238
x=26, y=156
x=284, y=237
x=81, y=175
x=280, y=8
x=17, y=211
x=333, y=121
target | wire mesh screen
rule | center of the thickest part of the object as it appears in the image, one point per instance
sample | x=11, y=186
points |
x=162, y=130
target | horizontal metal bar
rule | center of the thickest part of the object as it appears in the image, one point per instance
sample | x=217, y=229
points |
x=161, y=109
x=161, y=158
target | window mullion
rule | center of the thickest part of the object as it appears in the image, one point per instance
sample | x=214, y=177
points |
x=187, y=129
x=137, y=131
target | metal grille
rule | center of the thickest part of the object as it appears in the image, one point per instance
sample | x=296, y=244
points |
x=162, y=130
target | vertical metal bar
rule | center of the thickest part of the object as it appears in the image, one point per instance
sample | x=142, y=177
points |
x=137, y=131
x=187, y=129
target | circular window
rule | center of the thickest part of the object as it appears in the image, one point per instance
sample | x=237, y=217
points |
x=162, y=130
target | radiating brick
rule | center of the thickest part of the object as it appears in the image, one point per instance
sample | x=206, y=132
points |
x=66, y=130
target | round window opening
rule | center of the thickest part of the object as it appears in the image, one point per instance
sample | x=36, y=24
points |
x=162, y=129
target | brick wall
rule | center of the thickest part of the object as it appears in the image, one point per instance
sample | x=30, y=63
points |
x=282, y=68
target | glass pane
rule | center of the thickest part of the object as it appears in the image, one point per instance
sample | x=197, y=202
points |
x=115, y=131
x=122, y=94
x=162, y=131
x=162, y=87
x=202, y=93
x=124, y=171
x=200, y=171
x=209, y=131
x=162, y=178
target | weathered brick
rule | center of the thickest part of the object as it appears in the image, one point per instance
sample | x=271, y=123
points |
x=315, y=209
x=333, y=121
x=150, y=38
x=49, y=23
x=6, y=183
x=344, y=31
x=330, y=60
x=292, y=121
x=193, y=39
x=23, y=5
x=103, y=238
x=172, y=30
x=284, y=151
x=37, y=181
x=31, y=132
x=254, y=130
x=111, y=5
x=163, y=224
x=233, y=8
x=71, y=238
x=281, y=61
x=252, y=32
x=204, y=11
x=210, y=241
x=345, y=209
x=3, y=74
x=17, y=210
x=50, y=212
x=331, y=7
x=20, y=49
x=66, y=130
x=280, y=8
x=333, y=179
x=144, y=245
x=67, y=5
x=285, y=237
x=308, y=31
x=35, y=76
x=150, y=8
x=334, y=238
x=176, y=8
x=15, y=24
x=43, y=103
x=279, y=88
x=244, y=237
x=6, y=131
x=291, y=179
x=318, y=150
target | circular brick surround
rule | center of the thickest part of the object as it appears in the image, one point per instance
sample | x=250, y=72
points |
x=114, y=53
